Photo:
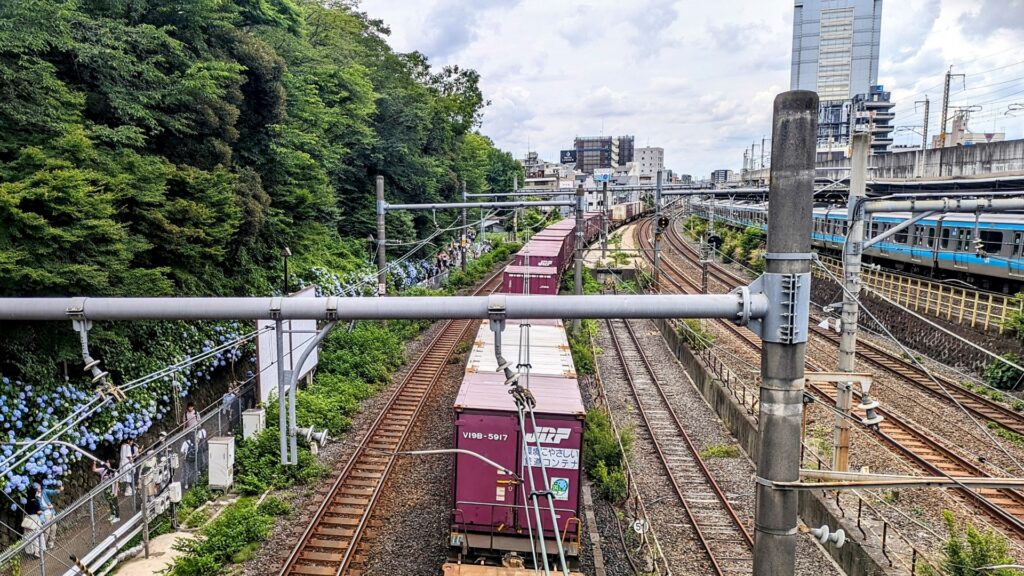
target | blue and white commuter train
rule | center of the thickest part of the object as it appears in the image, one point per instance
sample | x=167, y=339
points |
x=986, y=250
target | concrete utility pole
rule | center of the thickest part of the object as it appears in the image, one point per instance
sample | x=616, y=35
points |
x=924, y=133
x=945, y=106
x=515, y=213
x=604, y=221
x=657, y=233
x=788, y=256
x=851, y=281
x=382, y=275
x=578, y=276
x=462, y=237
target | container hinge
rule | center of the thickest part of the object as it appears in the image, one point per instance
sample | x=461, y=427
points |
x=789, y=301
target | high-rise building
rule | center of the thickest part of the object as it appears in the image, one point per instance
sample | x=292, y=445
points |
x=625, y=150
x=602, y=152
x=721, y=176
x=649, y=160
x=835, y=53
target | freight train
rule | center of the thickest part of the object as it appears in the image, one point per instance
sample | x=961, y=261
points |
x=986, y=250
x=494, y=520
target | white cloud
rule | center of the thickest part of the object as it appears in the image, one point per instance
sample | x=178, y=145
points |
x=696, y=78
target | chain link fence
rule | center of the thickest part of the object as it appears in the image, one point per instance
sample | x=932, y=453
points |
x=119, y=510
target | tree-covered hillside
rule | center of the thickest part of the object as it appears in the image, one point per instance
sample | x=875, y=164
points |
x=173, y=147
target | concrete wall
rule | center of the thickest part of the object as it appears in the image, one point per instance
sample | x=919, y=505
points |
x=997, y=158
x=815, y=508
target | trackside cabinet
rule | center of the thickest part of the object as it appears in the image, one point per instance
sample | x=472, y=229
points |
x=222, y=462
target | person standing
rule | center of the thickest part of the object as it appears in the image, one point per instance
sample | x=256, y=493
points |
x=107, y=471
x=31, y=522
x=48, y=511
x=129, y=451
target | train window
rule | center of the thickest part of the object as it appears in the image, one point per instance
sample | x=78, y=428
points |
x=901, y=236
x=931, y=237
x=963, y=239
x=1018, y=244
x=945, y=238
x=991, y=241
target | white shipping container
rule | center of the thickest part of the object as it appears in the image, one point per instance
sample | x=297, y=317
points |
x=549, y=353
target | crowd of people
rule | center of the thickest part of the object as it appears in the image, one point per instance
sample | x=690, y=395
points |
x=39, y=508
x=449, y=256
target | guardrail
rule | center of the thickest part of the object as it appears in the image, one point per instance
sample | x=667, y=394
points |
x=84, y=528
x=984, y=310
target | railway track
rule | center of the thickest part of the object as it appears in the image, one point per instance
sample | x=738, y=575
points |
x=1006, y=507
x=718, y=528
x=979, y=406
x=338, y=539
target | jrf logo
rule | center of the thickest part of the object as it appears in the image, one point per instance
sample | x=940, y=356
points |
x=546, y=435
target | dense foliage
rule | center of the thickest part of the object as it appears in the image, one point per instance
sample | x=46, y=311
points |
x=1003, y=376
x=969, y=551
x=150, y=147
x=232, y=537
x=604, y=455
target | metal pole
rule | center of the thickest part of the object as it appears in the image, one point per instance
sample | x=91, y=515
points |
x=578, y=276
x=851, y=280
x=794, y=137
x=657, y=233
x=924, y=133
x=382, y=275
x=143, y=485
x=604, y=220
x=281, y=414
x=515, y=212
x=463, y=240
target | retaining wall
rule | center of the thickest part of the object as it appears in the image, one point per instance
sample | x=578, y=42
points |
x=815, y=509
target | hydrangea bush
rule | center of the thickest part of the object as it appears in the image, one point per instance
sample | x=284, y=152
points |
x=27, y=410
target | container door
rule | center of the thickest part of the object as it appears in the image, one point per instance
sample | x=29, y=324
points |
x=560, y=451
x=484, y=497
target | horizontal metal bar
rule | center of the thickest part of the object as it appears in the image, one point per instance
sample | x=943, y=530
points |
x=540, y=193
x=384, y=308
x=856, y=480
x=946, y=205
x=461, y=205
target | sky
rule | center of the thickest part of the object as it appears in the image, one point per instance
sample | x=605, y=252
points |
x=696, y=77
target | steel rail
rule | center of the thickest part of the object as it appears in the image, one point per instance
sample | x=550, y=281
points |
x=690, y=513
x=979, y=406
x=303, y=558
x=1005, y=506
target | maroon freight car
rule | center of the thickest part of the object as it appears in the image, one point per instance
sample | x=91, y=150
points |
x=543, y=280
x=491, y=513
x=534, y=253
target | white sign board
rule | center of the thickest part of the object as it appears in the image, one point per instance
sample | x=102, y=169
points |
x=297, y=337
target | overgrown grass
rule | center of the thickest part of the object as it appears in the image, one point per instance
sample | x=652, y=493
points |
x=1003, y=376
x=477, y=269
x=720, y=451
x=968, y=551
x=602, y=456
x=258, y=464
x=580, y=346
x=695, y=336
x=233, y=537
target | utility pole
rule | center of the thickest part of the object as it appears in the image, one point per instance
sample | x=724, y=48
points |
x=762, y=151
x=382, y=275
x=924, y=132
x=657, y=233
x=788, y=256
x=462, y=237
x=851, y=282
x=604, y=220
x=945, y=105
x=578, y=276
x=515, y=212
